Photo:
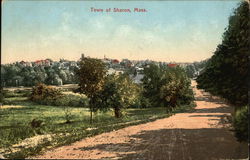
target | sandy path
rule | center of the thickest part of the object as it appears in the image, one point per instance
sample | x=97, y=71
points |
x=200, y=135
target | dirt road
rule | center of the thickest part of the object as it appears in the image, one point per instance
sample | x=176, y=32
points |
x=199, y=135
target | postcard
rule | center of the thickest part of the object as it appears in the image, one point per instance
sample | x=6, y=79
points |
x=126, y=79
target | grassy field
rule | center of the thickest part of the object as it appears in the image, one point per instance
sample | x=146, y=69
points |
x=16, y=125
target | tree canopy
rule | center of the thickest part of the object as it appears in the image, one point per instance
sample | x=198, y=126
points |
x=119, y=92
x=226, y=72
x=91, y=74
x=166, y=86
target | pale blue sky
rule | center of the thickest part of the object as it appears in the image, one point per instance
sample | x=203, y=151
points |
x=181, y=31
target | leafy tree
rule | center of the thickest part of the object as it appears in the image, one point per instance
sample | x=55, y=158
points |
x=9, y=72
x=152, y=81
x=164, y=86
x=176, y=88
x=40, y=77
x=28, y=75
x=91, y=74
x=226, y=72
x=190, y=70
x=17, y=74
x=119, y=92
x=63, y=75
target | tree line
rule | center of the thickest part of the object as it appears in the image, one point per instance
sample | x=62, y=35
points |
x=20, y=75
x=226, y=72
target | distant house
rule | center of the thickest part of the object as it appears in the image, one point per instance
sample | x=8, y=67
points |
x=46, y=62
x=115, y=61
x=139, y=68
x=113, y=71
x=172, y=65
x=72, y=63
x=42, y=62
x=38, y=62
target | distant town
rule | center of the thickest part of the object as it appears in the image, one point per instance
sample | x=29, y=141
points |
x=24, y=73
x=111, y=63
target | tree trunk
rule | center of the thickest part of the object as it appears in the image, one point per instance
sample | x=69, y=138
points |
x=91, y=116
x=91, y=110
x=118, y=113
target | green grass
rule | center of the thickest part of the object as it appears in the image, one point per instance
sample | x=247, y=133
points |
x=15, y=123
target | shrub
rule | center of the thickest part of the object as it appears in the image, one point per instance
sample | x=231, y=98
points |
x=240, y=123
x=42, y=92
x=47, y=95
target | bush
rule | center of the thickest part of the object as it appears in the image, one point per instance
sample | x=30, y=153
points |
x=241, y=124
x=42, y=92
x=47, y=95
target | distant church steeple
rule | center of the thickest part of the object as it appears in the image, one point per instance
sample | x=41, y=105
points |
x=82, y=56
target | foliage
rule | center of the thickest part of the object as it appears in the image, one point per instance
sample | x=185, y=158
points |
x=47, y=95
x=176, y=88
x=43, y=93
x=194, y=69
x=119, y=92
x=226, y=72
x=151, y=83
x=20, y=75
x=91, y=74
x=240, y=123
x=166, y=86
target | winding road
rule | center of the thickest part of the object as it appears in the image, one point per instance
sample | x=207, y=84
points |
x=198, y=135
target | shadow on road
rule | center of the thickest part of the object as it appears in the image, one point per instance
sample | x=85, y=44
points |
x=221, y=109
x=208, y=98
x=166, y=144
